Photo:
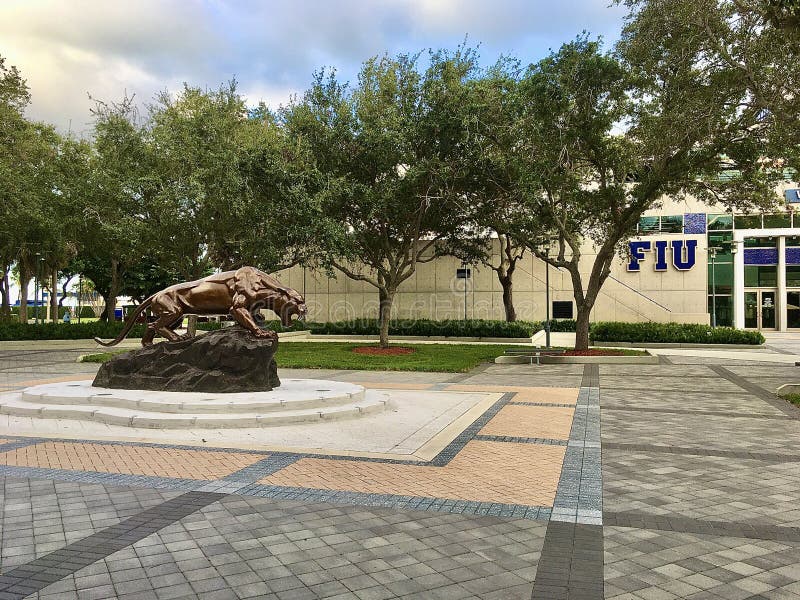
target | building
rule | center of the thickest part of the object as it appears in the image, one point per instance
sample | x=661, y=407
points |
x=689, y=263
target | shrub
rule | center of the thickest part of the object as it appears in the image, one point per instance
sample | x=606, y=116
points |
x=87, y=312
x=429, y=327
x=561, y=325
x=672, y=333
x=273, y=325
x=61, y=331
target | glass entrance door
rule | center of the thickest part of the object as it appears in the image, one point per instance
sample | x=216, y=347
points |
x=793, y=310
x=760, y=309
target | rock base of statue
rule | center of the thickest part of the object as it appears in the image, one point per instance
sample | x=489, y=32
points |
x=228, y=360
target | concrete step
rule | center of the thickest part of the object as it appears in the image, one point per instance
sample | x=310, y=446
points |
x=14, y=404
x=293, y=394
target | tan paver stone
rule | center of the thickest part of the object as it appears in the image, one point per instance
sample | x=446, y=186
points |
x=130, y=460
x=31, y=382
x=551, y=395
x=551, y=422
x=482, y=472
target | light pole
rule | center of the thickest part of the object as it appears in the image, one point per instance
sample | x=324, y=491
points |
x=36, y=289
x=466, y=275
x=713, y=251
x=547, y=297
x=80, y=295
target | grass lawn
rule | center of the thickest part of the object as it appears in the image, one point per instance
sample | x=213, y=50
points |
x=450, y=358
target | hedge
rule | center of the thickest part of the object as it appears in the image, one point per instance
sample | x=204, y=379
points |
x=273, y=325
x=65, y=331
x=671, y=333
x=561, y=325
x=87, y=312
x=429, y=327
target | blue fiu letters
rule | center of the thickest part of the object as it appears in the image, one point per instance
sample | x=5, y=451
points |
x=661, y=255
x=684, y=254
x=677, y=254
x=638, y=248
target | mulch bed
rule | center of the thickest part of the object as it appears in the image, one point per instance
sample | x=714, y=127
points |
x=593, y=353
x=390, y=351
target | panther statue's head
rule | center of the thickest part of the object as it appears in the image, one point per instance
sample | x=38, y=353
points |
x=289, y=307
x=284, y=302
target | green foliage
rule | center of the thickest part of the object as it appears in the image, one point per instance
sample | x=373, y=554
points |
x=793, y=398
x=64, y=331
x=672, y=333
x=427, y=327
x=273, y=325
x=561, y=325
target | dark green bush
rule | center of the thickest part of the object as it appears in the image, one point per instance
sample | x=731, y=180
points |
x=671, y=333
x=87, y=312
x=561, y=325
x=428, y=327
x=273, y=325
x=65, y=331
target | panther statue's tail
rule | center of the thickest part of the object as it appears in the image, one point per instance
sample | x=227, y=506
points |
x=128, y=324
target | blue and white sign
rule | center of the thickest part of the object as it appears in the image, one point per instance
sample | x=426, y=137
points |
x=792, y=196
x=683, y=254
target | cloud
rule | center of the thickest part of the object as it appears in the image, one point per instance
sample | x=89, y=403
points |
x=69, y=49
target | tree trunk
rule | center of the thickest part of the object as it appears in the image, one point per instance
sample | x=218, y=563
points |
x=508, y=300
x=24, y=283
x=64, y=290
x=111, y=299
x=386, y=296
x=54, y=295
x=584, y=310
x=5, y=293
x=584, y=303
x=104, y=313
x=191, y=325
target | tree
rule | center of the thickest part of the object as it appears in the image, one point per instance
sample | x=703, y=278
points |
x=14, y=130
x=112, y=233
x=489, y=173
x=750, y=47
x=387, y=149
x=276, y=220
x=603, y=140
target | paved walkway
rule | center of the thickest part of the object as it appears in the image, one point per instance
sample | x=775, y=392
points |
x=695, y=497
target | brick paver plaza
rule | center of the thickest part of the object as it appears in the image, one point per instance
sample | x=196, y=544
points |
x=581, y=481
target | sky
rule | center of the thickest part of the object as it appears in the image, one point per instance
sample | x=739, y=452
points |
x=69, y=50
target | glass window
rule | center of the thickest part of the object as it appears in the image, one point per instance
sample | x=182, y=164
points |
x=747, y=221
x=792, y=275
x=722, y=276
x=649, y=224
x=724, y=310
x=778, y=221
x=720, y=222
x=672, y=224
x=760, y=242
x=760, y=276
x=723, y=241
x=793, y=241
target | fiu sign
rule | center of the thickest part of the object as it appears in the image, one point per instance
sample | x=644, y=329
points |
x=683, y=254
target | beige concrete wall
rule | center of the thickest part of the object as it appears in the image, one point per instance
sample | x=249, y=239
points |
x=435, y=292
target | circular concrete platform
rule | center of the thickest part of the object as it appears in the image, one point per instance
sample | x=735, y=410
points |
x=295, y=401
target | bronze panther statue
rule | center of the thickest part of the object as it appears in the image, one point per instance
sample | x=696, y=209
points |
x=239, y=293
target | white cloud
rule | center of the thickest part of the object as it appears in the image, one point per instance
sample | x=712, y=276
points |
x=102, y=47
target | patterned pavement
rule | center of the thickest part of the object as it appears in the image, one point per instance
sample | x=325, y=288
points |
x=695, y=497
